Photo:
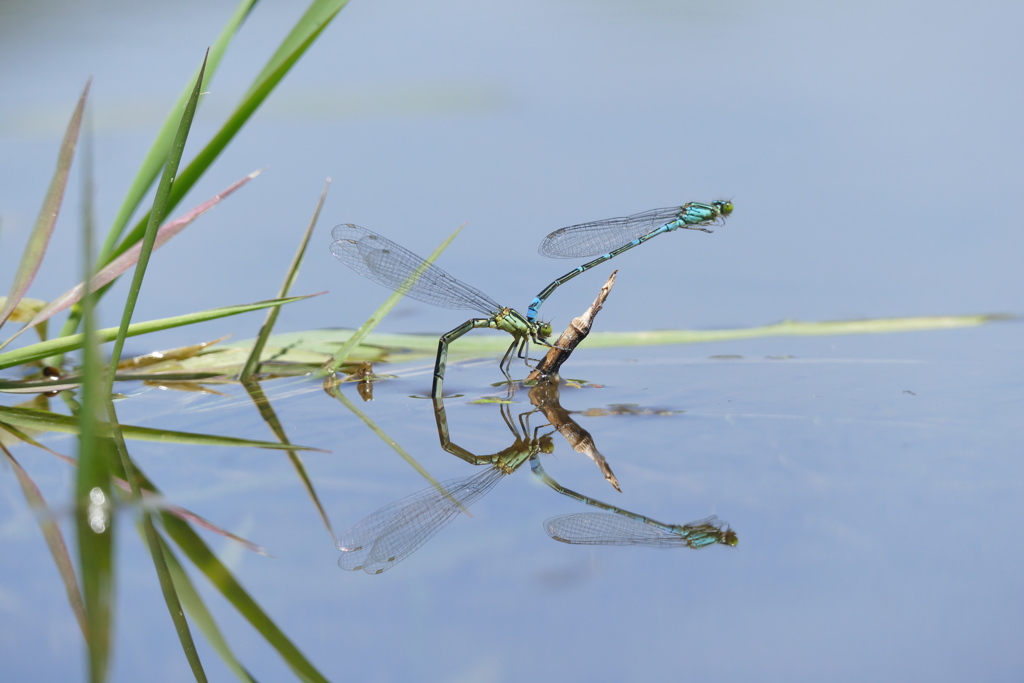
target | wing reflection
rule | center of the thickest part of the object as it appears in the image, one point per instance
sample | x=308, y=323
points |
x=389, y=535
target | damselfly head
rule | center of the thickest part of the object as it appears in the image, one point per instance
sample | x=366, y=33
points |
x=544, y=330
x=729, y=538
x=724, y=206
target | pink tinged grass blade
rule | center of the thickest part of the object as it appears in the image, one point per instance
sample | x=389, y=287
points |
x=54, y=539
x=40, y=237
x=128, y=259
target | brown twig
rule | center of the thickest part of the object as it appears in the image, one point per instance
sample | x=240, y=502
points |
x=575, y=333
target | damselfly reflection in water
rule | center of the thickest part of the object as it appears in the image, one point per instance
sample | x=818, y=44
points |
x=392, y=533
x=381, y=260
x=623, y=527
x=600, y=528
x=628, y=528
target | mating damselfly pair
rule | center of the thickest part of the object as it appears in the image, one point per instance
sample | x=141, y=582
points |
x=398, y=269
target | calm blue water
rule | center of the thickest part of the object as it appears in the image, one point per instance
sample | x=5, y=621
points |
x=872, y=151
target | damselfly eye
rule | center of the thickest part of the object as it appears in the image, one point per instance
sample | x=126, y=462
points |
x=544, y=330
x=724, y=207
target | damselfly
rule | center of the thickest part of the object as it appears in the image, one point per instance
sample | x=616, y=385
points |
x=612, y=236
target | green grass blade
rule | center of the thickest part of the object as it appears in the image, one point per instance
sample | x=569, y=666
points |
x=156, y=157
x=317, y=17
x=53, y=537
x=206, y=561
x=156, y=216
x=95, y=532
x=253, y=361
x=342, y=354
x=69, y=424
x=94, y=521
x=302, y=36
x=87, y=167
x=792, y=328
x=35, y=249
x=74, y=342
x=477, y=345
